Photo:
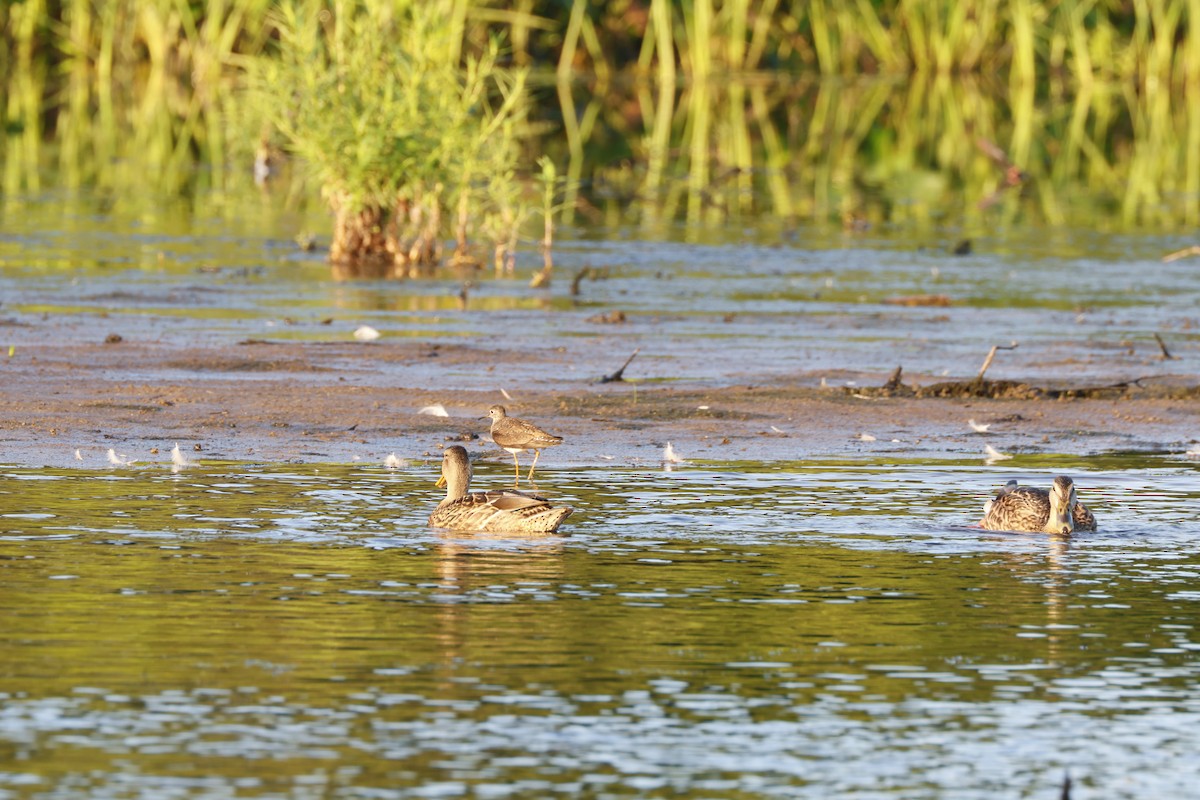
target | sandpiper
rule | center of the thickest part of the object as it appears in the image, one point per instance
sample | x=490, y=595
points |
x=517, y=435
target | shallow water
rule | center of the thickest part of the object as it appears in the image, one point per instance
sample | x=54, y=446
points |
x=1083, y=307
x=726, y=629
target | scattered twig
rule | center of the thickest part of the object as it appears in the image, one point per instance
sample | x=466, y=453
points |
x=893, y=382
x=1163, y=346
x=1194, y=250
x=987, y=362
x=614, y=317
x=914, y=300
x=1013, y=175
x=619, y=374
x=997, y=389
x=993, y=151
x=586, y=273
x=578, y=279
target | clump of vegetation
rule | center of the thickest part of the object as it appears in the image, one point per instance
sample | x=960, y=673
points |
x=407, y=137
x=1090, y=104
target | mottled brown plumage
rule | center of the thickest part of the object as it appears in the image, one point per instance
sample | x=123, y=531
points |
x=493, y=511
x=1025, y=508
x=517, y=435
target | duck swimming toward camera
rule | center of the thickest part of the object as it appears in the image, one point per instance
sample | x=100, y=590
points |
x=502, y=511
x=1025, y=508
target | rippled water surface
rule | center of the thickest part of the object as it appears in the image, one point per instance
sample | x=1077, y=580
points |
x=1084, y=306
x=722, y=630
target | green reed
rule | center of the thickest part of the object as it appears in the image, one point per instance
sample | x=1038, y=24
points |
x=684, y=112
x=1021, y=40
x=920, y=153
x=148, y=81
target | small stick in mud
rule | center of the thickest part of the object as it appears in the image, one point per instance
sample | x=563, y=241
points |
x=1194, y=250
x=586, y=273
x=619, y=374
x=579, y=276
x=1163, y=346
x=987, y=362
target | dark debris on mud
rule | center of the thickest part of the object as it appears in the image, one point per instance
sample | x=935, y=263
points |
x=982, y=388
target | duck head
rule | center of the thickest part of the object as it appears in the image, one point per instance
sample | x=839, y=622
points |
x=1062, y=506
x=456, y=472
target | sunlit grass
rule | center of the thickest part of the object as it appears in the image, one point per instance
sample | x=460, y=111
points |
x=1097, y=104
x=1017, y=41
x=919, y=155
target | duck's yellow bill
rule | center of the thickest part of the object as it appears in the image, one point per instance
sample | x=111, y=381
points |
x=441, y=482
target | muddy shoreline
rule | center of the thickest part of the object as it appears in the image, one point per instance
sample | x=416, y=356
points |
x=343, y=402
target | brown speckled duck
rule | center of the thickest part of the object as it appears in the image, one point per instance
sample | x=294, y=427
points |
x=494, y=511
x=1024, y=508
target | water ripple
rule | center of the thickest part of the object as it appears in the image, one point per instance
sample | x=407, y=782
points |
x=727, y=630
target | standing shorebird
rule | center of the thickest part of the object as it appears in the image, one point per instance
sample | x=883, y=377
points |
x=1025, y=508
x=517, y=435
x=501, y=511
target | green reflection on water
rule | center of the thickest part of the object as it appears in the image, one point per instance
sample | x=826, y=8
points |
x=143, y=613
x=220, y=606
x=205, y=536
x=763, y=158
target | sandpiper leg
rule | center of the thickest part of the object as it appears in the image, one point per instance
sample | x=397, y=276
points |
x=536, y=453
x=517, y=470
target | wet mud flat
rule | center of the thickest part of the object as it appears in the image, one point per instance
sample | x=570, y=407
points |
x=339, y=401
